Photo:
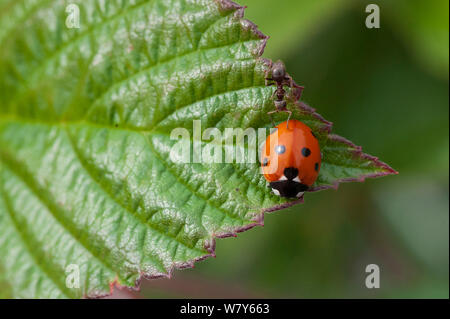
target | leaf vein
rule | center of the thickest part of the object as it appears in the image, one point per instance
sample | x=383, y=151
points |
x=52, y=211
x=31, y=252
x=108, y=193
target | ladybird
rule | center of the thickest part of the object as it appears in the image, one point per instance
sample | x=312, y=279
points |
x=291, y=159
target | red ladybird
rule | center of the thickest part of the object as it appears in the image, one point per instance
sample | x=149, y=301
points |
x=291, y=159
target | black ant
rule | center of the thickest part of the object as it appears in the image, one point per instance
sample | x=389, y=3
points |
x=280, y=78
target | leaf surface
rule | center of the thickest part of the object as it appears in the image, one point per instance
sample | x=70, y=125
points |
x=85, y=121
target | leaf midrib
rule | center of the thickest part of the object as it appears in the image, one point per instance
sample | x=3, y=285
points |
x=149, y=143
x=62, y=124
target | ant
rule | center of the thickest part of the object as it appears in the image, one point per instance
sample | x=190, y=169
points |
x=280, y=78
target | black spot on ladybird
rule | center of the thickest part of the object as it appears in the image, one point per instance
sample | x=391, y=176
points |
x=280, y=149
x=316, y=167
x=306, y=152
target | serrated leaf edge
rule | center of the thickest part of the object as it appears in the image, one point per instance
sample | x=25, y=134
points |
x=210, y=245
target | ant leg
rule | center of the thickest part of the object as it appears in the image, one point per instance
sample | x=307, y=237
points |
x=267, y=81
x=273, y=94
x=289, y=116
x=289, y=81
x=296, y=90
x=270, y=115
x=269, y=69
x=266, y=75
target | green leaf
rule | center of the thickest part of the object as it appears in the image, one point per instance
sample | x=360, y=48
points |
x=85, y=121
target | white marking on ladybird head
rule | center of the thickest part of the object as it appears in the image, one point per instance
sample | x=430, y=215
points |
x=276, y=191
x=300, y=194
x=283, y=178
x=297, y=180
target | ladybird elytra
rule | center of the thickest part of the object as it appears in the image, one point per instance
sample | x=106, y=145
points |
x=291, y=159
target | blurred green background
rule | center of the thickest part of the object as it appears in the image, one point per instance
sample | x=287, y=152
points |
x=387, y=90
